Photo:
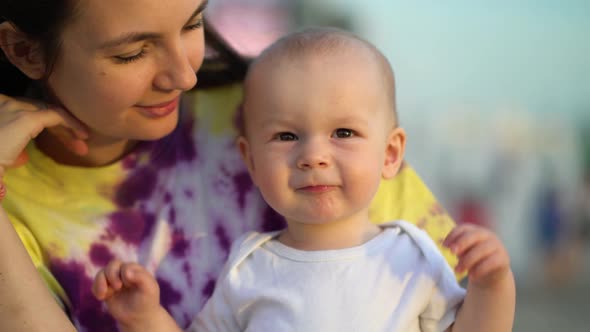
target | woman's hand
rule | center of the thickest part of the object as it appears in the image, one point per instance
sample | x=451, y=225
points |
x=23, y=119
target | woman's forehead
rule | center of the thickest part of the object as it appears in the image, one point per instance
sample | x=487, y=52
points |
x=102, y=20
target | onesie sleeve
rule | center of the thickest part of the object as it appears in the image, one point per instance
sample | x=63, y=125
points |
x=446, y=295
x=220, y=311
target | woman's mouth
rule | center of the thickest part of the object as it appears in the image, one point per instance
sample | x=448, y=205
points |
x=159, y=110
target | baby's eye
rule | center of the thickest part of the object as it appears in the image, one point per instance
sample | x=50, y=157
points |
x=286, y=137
x=343, y=133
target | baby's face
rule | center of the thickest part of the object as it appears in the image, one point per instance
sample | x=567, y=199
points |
x=316, y=134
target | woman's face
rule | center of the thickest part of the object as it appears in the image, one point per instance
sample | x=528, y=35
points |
x=124, y=63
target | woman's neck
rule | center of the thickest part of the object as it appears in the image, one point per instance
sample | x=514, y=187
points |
x=101, y=150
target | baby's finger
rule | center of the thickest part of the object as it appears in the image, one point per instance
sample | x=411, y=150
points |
x=113, y=274
x=467, y=239
x=99, y=287
x=134, y=275
x=475, y=254
x=489, y=269
x=456, y=232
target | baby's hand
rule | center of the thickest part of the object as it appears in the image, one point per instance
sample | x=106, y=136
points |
x=480, y=253
x=132, y=295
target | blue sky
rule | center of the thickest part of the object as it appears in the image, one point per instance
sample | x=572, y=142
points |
x=529, y=54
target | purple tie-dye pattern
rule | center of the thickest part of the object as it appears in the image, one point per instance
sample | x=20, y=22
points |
x=180, y=245
x=208, y=289
x=172, y=216
x=130, y=161
x=139, y=186
x=157, y=190
x=100, y=255
x=222, y=238
x=175, y=148
x=130, y=225
x=272, y=221
x=244, y=185
x=86, y=310
x=168, y=295
x=186, y=269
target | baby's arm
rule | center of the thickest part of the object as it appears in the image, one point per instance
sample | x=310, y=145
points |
x=490, y=301
x=132, y=296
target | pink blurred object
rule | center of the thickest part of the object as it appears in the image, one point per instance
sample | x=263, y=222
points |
x=250, y=26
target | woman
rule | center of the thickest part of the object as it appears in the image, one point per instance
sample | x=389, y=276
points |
x=125, y=168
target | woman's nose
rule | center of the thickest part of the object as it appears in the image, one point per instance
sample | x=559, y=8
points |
x=176, y=73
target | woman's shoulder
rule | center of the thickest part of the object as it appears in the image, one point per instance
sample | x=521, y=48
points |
x=407, y=197
x=216, y=108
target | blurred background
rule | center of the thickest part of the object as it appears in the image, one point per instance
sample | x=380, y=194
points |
x=495, y=97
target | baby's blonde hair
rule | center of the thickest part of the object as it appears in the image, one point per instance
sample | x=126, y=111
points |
x=325, y=41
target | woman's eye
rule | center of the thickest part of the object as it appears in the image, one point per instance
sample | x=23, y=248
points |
x=196, y=25
x=286, y=137
x=343, y=133
x=130, y=58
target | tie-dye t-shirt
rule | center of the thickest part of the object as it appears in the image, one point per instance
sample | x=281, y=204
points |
x=174, y=205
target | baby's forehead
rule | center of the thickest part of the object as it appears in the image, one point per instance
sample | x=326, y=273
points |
x=311, y=54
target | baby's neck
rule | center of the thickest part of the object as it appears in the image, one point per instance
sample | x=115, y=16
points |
x=328, y=236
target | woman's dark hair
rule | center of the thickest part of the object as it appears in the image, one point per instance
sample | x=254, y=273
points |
x=43, y=20
x=222, y=65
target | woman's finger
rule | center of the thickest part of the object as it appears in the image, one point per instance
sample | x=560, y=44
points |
x=19, y=128
x=70, y=140
x=20, y=160
x=77, y=127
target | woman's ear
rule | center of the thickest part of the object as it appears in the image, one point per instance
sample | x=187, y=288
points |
x=21, y=51
x=394, y=153
x=244, y=148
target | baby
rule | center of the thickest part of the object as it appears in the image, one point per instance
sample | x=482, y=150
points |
x=319, y=133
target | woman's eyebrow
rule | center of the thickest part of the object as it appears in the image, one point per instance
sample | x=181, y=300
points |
x=198, y=11
x=134, y=37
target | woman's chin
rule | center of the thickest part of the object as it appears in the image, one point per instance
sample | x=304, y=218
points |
x=155, y=131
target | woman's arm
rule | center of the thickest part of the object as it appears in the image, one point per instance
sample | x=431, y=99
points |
x=26, y=305
x=25, y=302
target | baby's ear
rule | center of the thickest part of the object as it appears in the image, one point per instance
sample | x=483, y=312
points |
x=244, y=148
x=394, y=153
x=21, y=51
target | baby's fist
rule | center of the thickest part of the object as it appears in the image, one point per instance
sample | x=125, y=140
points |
x=480, y=253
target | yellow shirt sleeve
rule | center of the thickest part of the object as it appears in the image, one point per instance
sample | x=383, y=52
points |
x=34, y=251
x=406, y=197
